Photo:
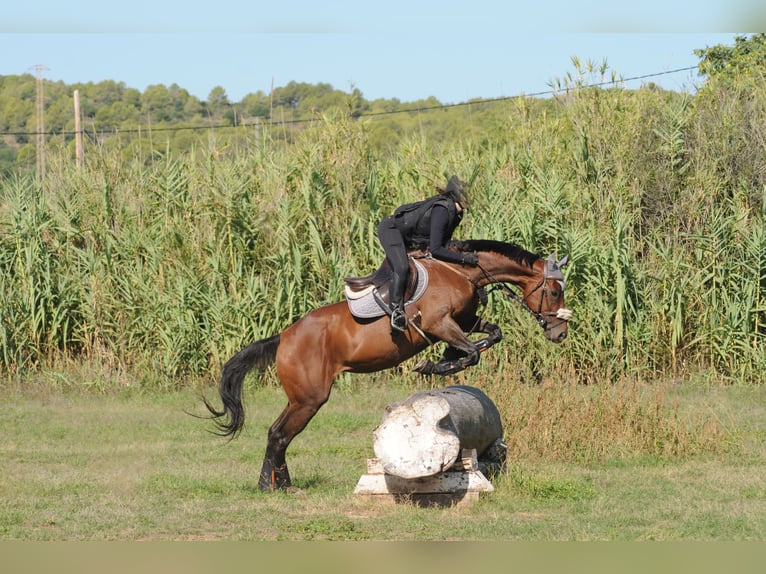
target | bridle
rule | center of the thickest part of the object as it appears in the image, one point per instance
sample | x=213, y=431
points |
x=552, y=271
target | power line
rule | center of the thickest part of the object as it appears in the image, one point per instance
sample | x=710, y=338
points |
x=418, y=109
x=532, y=95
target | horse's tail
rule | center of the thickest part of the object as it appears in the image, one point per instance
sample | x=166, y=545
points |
x=259, y=354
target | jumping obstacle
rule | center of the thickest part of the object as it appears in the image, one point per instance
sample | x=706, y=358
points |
x=436, y=447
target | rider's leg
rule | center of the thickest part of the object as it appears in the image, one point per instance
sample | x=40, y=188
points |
x=393, y=244
x=398, y=318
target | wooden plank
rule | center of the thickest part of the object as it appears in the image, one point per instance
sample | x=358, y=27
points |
x=468, y=460
x=374, y=466
x=443, y=483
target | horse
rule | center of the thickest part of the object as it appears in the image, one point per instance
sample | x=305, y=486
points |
x=329, y=340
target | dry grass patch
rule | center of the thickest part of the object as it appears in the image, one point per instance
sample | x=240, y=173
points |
x=591, y=423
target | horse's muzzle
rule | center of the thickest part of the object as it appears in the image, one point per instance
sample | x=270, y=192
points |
x=558, y=332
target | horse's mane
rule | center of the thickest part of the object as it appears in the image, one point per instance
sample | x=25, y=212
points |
x=510, y=250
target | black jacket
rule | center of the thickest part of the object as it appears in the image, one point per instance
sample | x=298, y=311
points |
x=429, y=224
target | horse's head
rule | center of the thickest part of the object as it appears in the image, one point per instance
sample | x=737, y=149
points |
x=545, y=300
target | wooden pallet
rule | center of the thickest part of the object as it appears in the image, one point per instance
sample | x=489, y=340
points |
x=459, y=485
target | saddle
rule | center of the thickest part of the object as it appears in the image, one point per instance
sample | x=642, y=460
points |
x=369, y=296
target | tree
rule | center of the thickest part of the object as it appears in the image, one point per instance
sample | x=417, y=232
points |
x=256, y=105
x=218, y=103
x=731, y=133
x=112, y=117
x=217, y=97
x=744, y=61
x=157, y=101
x=7, y=159
x=165, y=104
x=15, y=112
x=293, y=93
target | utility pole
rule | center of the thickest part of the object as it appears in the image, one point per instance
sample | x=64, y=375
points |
x=40, y=101
x=77, y=130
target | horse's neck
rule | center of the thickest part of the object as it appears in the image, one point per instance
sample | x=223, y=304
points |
x=505, y=270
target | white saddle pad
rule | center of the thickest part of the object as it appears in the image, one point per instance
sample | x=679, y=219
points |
x=363, y=304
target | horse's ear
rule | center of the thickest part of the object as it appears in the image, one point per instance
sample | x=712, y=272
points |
x=552, y=260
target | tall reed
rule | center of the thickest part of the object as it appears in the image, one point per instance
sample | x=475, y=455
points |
x=169, y=264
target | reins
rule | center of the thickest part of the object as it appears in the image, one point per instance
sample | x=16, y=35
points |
x=540, y=317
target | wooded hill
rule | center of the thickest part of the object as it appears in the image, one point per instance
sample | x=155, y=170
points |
x=167, y=119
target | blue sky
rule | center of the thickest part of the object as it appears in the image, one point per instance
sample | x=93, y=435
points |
x=451, y=50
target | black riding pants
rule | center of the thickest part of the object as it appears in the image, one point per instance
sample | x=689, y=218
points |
x=393, y=244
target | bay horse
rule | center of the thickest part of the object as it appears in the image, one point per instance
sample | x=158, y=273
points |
x=329, y=340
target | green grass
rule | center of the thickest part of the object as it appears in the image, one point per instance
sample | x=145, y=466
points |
x=132, y=465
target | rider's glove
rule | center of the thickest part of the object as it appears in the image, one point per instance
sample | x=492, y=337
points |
x=470, y=259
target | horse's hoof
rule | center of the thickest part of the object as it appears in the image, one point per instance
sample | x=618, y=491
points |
x=274, y=478
x=266, y=486
x=287, y=489
x=424, y=367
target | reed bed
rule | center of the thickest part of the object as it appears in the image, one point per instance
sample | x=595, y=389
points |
x=163, y=268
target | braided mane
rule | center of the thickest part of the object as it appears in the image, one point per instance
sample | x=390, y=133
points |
x=510, y=250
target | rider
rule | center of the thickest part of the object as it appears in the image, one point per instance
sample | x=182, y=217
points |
x=424, y=224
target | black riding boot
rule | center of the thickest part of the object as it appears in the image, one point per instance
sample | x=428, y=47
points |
x=398, y=317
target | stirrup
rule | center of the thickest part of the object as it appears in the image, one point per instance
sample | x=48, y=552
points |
x=398, y=320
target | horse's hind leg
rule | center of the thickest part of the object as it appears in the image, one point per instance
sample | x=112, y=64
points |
x=294, y=418
x=274, y=473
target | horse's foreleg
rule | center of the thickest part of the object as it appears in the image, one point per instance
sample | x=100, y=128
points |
x=493, y=332
x=456, y=359
x=494, y=335
x=461, y=353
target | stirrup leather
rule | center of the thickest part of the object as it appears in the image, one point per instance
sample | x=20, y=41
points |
x=398, y=320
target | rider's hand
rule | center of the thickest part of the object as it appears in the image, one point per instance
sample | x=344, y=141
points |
x=470, y=259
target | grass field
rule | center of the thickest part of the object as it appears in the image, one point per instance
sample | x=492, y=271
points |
x=132, y=465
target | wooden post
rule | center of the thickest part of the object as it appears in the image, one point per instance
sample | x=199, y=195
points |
x=40, y=105
x=78, y=130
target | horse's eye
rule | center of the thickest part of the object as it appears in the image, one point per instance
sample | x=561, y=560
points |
x=555, y=293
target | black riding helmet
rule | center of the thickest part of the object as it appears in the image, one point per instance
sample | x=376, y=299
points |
x=456, y=191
